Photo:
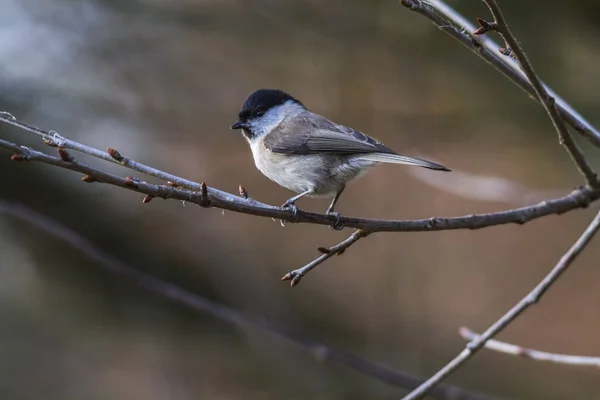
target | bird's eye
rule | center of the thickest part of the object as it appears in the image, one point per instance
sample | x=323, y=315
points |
x=260, y=113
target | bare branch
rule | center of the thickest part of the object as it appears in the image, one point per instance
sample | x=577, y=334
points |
x=54, y=139
x=328, y=252
x=176, y=189
x=200, y=194
x=458, y=27
x=176, y=294
x=501, y=26
x=96, y=175
x=514, y=50
x=532, y=354
x=532, y=298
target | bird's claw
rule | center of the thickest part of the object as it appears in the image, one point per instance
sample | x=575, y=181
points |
x=337, y=225
x=291, y=206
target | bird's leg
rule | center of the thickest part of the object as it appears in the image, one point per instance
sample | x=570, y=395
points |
x=334, y=201
x=337, y=225
x=291, y=202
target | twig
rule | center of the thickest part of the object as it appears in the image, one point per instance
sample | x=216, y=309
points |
x=532, y=354
x=458, y=27
x=578, y=198
x=174, y=293
x=54, y=139
x=530, y=299
x=501, y=26
x=96, y=175
x=328, y=252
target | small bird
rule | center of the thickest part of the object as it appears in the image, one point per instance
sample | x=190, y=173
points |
x=307, y=153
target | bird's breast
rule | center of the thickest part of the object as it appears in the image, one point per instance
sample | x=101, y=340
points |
x=319, y=173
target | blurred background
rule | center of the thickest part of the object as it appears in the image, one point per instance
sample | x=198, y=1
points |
x=161, y=81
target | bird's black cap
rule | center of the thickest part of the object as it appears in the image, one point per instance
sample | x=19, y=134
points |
x=263, y=100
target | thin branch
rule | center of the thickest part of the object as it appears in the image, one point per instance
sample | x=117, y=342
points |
x=54, y=139
x=578, y=198
x=530, y=299
x=199, y=193
x=501, y=26
x=95, y=175
x=328, y=252
x=532, y=354
x=458, y=27
x=221, y=312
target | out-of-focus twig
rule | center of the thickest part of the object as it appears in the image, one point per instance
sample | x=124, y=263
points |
x=177, y=294
x=458, y=27
x=297, y=274
x=501, y=26
x=532, y=354
x=532, y=298
x=480, y=187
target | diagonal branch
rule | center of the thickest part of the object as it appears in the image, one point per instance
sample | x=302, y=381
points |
x=501, y=26
x=458, y=27
x=221, y=312
x=532, y=354
x=200, y=194
x=92, y=174
x=578, y=198
x=328, y=252
x=54, y=139
x=530, y=299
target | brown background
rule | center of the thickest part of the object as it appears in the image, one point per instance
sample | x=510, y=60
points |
x=162, y=81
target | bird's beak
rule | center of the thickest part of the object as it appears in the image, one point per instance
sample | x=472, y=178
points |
x=239, y=125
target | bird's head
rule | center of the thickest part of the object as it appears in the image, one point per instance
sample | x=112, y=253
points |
x=264, y=110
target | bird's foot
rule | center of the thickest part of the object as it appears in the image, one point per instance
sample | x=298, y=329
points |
x=290, y=206
x=337, y=225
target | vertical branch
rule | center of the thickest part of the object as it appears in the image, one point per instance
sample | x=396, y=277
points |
x=501, y=26
x=459, y=28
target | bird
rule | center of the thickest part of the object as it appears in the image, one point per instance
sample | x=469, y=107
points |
x=307, y=153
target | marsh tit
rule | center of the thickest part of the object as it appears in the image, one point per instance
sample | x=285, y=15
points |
x=307, y=153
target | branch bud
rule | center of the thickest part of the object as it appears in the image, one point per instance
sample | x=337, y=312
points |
x=115, y=154
x=204, y=200
x=88, y=179
x=131, y=181
x=64, y=155
x=505, y=51
x=324, y=250
x=485, y=26
x=243, y=192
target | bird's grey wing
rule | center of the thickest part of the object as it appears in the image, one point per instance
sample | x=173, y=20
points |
x=310, y=133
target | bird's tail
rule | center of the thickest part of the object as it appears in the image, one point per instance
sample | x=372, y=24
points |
x=398, y=159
